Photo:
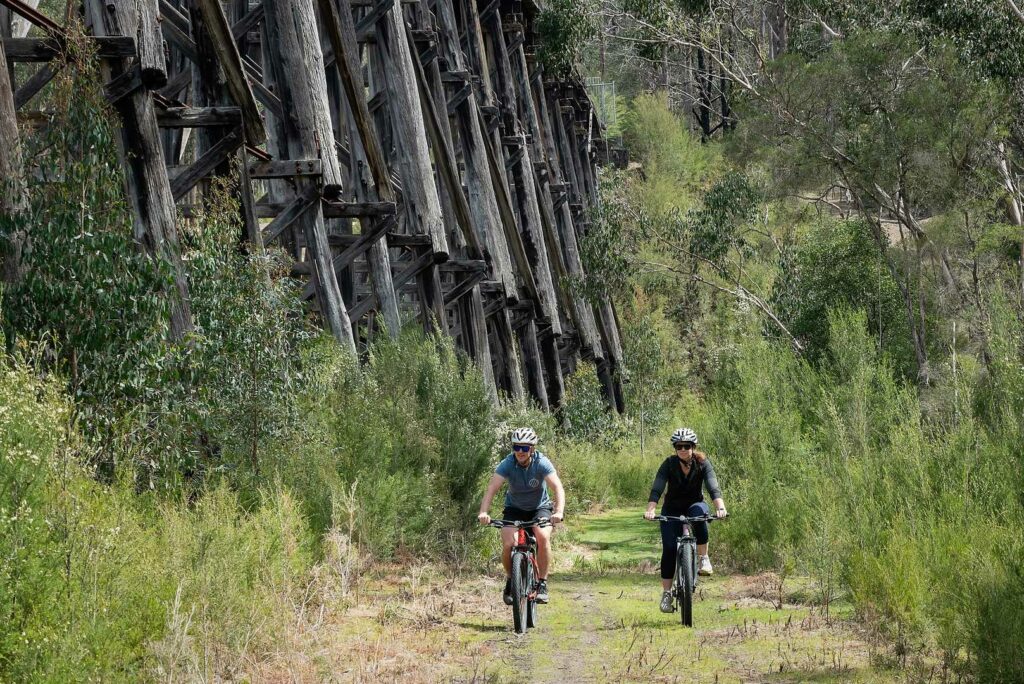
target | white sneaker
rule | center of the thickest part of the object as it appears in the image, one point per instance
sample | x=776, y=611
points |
x=704, y=567
x=666, y=602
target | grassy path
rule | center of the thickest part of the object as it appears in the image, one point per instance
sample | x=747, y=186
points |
x=603, y=623
x=409, y=624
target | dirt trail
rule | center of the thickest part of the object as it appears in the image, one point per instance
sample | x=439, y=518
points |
x=602, y=625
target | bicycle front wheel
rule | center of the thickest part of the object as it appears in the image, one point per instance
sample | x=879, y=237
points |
x=684, y=583
x=520, y=589
x=531, y=606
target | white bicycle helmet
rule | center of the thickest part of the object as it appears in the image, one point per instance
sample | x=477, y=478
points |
x=524, y=435
x=684, y=435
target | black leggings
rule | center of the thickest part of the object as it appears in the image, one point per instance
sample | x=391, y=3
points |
x=670, y=531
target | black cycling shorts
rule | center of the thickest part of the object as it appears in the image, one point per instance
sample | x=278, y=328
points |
x=519, y=514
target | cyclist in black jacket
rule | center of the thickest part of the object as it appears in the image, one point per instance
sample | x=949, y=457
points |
x=684, y=474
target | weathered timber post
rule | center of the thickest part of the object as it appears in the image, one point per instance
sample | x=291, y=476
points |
x=293, y=47
x=525, y=190
x=218, y=79
x=422, y=204
x=13, y=198
x=587, y=326
x=477, y=320
x=533, y=365
x=148, y=187
x=363, y=149
x=479, y=186
x=510, y=356
x=553, y=364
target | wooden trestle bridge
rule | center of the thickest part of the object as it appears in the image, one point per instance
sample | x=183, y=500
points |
x=411, y=155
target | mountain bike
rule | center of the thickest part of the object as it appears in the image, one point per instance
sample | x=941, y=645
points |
x=524, y=571
x=684, y=583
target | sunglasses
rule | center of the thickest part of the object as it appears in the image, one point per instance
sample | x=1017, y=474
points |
x=521, y=447
x=683, y=445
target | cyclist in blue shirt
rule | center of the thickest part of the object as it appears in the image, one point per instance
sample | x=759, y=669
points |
x=528, y=473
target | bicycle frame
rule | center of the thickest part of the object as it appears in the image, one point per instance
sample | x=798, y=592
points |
x=525, y=543
x=685, y=541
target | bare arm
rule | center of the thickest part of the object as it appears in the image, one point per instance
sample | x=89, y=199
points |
x=660, y=480
x=485, y=506
x=559, y=494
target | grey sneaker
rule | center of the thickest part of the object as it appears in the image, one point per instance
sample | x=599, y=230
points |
x=704, y=569
x=666, y=602
x=506, y=595
x=542, y=591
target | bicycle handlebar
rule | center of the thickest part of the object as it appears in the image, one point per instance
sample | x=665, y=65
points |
x=683, y=518
x=540, y=522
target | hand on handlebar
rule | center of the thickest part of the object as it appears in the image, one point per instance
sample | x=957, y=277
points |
x=484, y=518
x=649, y=514
x=721, y=512
x=556, y=518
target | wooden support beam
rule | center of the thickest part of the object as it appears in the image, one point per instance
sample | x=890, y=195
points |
x=197, y=117
x=478, y=179
x=367, y=210
x=202, y=167
x=176, y=28
x=421, y=200
x=402, y=240
x=464, y=286
x=303, y=202
x=230, y=61
x=354, y=250
x=149, y=40
x=34, y=16
x=510, y=354
x=248, y=22
x=334, y=209
x=45, y=49
x=292, y=49
x=533, y=365
x=286, y=168
x=475, y=324
x=409, y=270
x=464, y=266
x=342, y=35
x=34, y=84
x=447, y=166
x=13, y=194
x=553, y=367
x=365, y=149
x=302, y=85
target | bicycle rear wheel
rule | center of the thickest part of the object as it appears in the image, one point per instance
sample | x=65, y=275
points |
x=520, y=588
x=684, y=583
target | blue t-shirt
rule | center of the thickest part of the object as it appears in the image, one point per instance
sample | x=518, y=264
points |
x=526, y=487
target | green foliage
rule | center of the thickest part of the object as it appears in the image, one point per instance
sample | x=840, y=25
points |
x=98, y=583
x=235, y=382
x=676, y=165
x=584, y=411
x=605, y=248
x=713, y=229
x=397, y=448
x=88, y=286
x=563, y=29
x=882, y=115
x=836, y=264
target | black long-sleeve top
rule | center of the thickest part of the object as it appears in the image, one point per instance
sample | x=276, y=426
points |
x=683, y=490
